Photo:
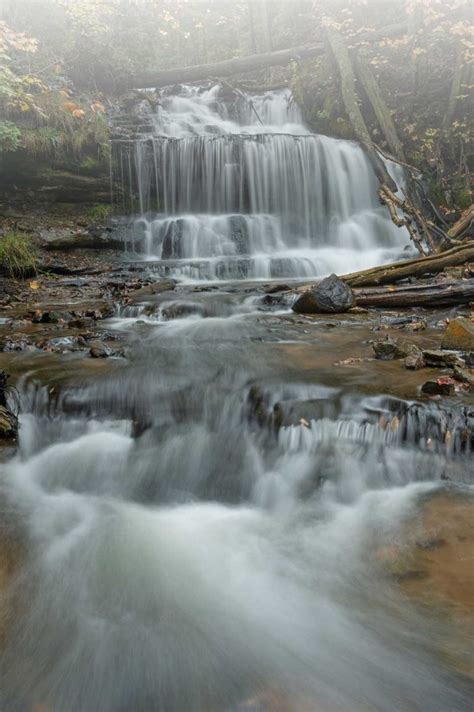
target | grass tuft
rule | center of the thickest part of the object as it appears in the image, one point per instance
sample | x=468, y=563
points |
x=17, y=256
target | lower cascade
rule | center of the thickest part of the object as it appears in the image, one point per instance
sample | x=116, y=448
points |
x=240, y=188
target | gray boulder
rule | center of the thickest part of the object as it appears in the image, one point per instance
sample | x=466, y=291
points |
x=331, y=296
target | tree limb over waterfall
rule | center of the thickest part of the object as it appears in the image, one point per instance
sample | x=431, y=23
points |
x=240, y=65
x=226, y=68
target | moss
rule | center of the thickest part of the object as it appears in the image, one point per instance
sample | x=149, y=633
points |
x=99, y=213
x=17, y=255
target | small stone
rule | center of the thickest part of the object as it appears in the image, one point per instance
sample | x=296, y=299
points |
x=414, y=362
x=459, y=335
x=440, y=387
x=332, y=295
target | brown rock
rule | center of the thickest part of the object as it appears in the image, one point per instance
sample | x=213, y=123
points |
x=459, y=335
x=443, y=359
x=389, y=349
x=415, y=361
x=466, y=375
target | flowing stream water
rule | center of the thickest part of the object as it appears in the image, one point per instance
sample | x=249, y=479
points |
x=180, y=549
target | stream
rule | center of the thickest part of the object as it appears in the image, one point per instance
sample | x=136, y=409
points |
x=200, y=529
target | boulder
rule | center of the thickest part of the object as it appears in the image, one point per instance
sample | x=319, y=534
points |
x=332, y=296
x=180, y=310
x=459, y=335
x=389, y=349
x=440, y=387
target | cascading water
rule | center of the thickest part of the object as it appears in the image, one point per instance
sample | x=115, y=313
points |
x=244, y=190
x=202, y=528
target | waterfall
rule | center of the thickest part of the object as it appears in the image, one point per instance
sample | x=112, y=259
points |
x=240, y=188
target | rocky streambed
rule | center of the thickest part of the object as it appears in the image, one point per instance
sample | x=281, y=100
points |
x=220, y=394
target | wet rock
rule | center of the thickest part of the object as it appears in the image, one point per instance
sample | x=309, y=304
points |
x=100, y=350
x=257, y=404
x=180, y=310
x=414, y=361
x=8, y=424
x=389, y=349
x=332, y=295
x=459, y=335
x=465, y=375
x=173, y=240
x=70, y=239
x=441, y=359
x=164, y=285
x=440, y=387
x=21, y=344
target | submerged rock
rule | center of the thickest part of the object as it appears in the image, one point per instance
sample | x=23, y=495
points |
x=332, y=295
x=459, y=335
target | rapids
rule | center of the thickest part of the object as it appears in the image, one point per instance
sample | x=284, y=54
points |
x=183, y=543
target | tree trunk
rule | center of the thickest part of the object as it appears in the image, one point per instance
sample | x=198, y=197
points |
x=228, y=67
x=382, y=112
x=463, y=224
x=343, y=61
x=387, y=274
x=455, y=89
x=420, y=295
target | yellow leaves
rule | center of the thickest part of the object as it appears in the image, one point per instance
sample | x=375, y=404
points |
x=417, y=51
x=78, y=113
x=63, y=93
x=97, y=107
x=23, y=106
x=70, y=106
x=34, y=285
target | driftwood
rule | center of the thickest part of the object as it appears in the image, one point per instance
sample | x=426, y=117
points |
x=394, y=272
x=463, y=224
x=419, y=295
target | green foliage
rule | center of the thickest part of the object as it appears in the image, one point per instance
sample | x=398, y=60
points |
x=10, y=136
x=17, y=255
x=99, y=213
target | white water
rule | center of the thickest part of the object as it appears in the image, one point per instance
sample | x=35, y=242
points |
x=255, y=185
x=175, y=553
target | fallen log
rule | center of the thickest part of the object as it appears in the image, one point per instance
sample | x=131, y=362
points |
x=419, y=295
x=226, y=68
x=463, y=223
x=395, y=271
